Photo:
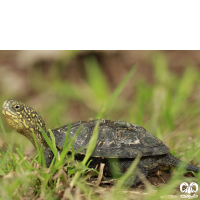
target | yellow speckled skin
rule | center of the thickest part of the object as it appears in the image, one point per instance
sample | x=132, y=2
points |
x=24, y=120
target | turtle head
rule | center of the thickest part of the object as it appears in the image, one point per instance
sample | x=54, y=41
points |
x=25, y=120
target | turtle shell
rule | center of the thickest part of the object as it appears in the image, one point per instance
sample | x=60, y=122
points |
x=116, y=139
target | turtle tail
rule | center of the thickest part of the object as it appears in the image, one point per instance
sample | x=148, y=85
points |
x=171, y=161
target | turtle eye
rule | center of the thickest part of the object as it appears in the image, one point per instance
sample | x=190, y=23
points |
x=17, y=107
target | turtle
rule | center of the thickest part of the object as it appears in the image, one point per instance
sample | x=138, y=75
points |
x=117, y=146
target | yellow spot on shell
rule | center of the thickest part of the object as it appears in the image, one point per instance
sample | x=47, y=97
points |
x=99, y=143
x=112, y=142
x=59, y=148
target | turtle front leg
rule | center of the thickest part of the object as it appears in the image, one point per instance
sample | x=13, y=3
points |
x=119, y=166
x=135, y=178
x=144, y=167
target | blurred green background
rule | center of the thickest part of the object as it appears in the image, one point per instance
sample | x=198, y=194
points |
x=163, y=95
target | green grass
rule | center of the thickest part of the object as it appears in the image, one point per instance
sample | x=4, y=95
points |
x=168, y=108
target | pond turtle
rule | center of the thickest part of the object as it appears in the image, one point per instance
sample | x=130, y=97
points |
x=118, y=141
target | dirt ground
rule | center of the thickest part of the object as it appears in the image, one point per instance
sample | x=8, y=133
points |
x=18, y=65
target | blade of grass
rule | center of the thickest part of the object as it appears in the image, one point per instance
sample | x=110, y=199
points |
x=90, y=149
x=2, y=127
x=67, y=145
x=128, y=173
x=99, y=83
x=37, y=147
x=116, y=93
x=53, y=142
x=22, y=158
x=67, y=137
x=50, y=143
x=92, y=144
